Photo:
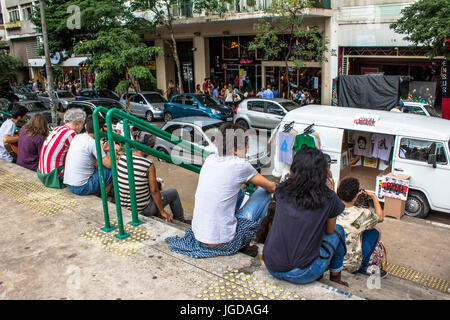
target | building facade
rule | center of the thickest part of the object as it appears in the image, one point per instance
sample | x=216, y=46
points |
x=216, y=47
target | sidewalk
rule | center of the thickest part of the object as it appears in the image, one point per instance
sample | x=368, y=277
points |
x=52, y=248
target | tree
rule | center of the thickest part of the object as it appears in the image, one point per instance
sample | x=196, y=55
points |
x=9, y=66
x=282, y=35
x=118, y=51
x=426, y=23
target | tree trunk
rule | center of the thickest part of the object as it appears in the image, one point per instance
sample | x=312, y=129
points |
x=177, y=61
x=48, y=64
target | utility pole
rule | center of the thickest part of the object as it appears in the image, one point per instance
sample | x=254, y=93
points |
x=48, y=64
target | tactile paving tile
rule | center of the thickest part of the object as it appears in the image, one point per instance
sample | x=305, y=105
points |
x=237, y=285
x=426, y=280
x=122, y=247
x=37, y=197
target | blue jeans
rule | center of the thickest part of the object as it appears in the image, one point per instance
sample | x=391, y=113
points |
x=92, y=186
x=334, y=261
x=256, y=207
x=369, y=243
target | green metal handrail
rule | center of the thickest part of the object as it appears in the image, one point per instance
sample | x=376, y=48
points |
x=126, y=140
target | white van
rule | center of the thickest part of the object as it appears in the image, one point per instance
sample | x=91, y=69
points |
x=420, y=150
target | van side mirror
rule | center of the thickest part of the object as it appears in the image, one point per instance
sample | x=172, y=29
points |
x=432, y=159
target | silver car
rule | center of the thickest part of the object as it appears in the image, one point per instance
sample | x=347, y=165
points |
x=146, y=104
x=262, y=113
x=200, y=130
x=63, y=98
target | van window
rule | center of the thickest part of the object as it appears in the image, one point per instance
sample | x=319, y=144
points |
x=419, y=150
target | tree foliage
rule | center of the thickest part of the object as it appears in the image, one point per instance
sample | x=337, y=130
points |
x=426, y=23
x=9, y=67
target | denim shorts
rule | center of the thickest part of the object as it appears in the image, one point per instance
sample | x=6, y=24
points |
x=92, y=186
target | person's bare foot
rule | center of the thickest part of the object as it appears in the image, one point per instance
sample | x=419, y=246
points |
x=336, y=277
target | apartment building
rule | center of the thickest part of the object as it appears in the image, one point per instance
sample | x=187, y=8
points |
x=216, y=47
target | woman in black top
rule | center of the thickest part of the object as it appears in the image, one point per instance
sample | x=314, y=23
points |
x=304, y=240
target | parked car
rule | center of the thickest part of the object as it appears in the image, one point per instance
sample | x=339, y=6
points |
x=88, y=94
x=194, y=105
x=33, y=106
x=24, y=93
x=146, y=104
x=262, y=113
x=63, y=98
x=89, y=106
x=420, y=108
x=7, y=93
x=199, y=131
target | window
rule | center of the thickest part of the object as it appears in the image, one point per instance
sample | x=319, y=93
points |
x=274, y=109
x=35, y=106
x=289, y=105
x=14, y=14
x=419, y=150
x=257, y=106
x=137, y=99
x=207, y=101
x=1, y=18
x=154, y=98
x=107, y=94
x=178, y=100
x=63, y=94
x=189, y=100
x=88, y=94
x=414, y=110
x=27, y=11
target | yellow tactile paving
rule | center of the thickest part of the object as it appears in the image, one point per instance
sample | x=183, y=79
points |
x=122, y=247
x=426, y=280
x=35, y=196
x=237, y=285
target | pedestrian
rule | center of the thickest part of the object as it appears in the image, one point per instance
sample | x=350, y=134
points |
x=362, y=237
x=198, y=89
x=220, y=226
x=268, y=94
x=8, y=130
x=171, y=89
x=31, y=138
x=399, y=107
x=150, y=200
x=304, y=240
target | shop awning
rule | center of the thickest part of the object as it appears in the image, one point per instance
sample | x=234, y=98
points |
x=73, y=62
x=38, y=63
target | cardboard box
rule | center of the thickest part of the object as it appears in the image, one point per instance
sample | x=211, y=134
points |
x=394, y=207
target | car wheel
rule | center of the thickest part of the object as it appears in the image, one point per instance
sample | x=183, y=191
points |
x=242, y=123
x=160, y=149
x=417, y=205
x=168, y=117
x=149, y=116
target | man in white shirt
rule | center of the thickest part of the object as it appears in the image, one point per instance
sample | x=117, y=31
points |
x=219, y=195
x=81, y=173
x=399, y=107
x=8, y=129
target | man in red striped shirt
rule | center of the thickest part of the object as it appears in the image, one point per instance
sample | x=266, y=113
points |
x=55, y=147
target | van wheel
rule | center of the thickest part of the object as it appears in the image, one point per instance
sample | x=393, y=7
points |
x=168, y=117
x=417, y=205
x=242, y=123
x=149, y=116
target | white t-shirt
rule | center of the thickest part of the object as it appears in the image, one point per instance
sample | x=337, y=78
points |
x=382, y=145
x=219, y=183
x=363, y=144
x=8, y=127
x=81, y=160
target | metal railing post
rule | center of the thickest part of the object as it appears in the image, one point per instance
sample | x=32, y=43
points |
x=130, y=168
x=107, y=227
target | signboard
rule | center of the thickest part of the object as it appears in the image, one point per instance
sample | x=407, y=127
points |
x=394, y=187
x=187, y=72
x=363, y=119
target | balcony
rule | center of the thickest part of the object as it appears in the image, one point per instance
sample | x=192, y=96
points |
x=185, y=9
x=13, y=25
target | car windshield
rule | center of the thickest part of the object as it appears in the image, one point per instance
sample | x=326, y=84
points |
x=289, y=105
x=108, y=94
x=154, y=98
x=210, y=130
x=431, y=111
x=35, y=106
x=65, y=95
x=207, y=101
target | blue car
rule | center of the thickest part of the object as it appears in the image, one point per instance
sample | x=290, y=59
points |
x=88, y=94
x=194, y=105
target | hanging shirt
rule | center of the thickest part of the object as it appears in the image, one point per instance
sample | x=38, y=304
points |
x=382, y=145
x=363, y=144
x=303, y=140
x=285, y=142
x=316, y=137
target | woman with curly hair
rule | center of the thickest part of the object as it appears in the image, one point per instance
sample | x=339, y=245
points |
x=31, y=138
x=304, y=240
